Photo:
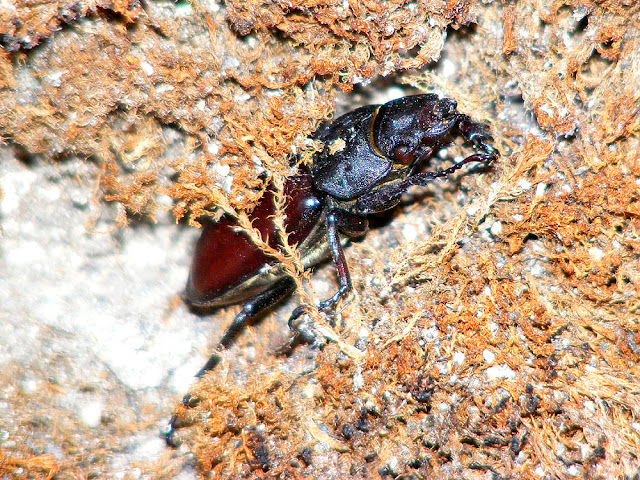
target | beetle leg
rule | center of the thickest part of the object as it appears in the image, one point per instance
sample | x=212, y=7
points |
x=389, y=195
x=337, y=221
x=250, y=311
x=353, y=226
x=333, y=219
x=381, y=199
x=302, y=331
x=478, y=134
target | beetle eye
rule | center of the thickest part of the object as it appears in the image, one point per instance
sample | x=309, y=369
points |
x=403, y=154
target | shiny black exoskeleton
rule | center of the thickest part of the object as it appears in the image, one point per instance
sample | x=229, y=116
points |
x=370, y=157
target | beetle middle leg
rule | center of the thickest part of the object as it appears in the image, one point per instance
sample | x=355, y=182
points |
x=338, y=221
x=352, y=225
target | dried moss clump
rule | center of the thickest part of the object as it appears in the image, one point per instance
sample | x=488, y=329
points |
x=494, y=325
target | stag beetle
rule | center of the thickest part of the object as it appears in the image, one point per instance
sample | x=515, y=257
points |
x=369, y=158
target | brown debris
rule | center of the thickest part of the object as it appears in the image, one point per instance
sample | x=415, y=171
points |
x=38, y=466
x=500, y=340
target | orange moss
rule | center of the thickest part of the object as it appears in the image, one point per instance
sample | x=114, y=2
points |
x=504, y=339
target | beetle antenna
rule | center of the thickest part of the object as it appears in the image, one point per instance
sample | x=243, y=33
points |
x=425, y=177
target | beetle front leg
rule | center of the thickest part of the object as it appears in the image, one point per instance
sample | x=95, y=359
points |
x=478, y=134
x=388, y=195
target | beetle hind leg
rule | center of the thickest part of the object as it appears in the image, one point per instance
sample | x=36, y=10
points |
x=250, y=311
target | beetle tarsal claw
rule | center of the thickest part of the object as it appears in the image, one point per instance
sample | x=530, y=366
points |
x=189, y=401
x=302, y=328
x=169, y=431
x=179, y=421
x=301, y=332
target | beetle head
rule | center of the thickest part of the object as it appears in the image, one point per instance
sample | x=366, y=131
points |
x=407, y=130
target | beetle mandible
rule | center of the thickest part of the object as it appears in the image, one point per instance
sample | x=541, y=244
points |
x=370, y=157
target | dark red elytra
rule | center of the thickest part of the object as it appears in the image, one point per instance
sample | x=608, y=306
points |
x=225, y=257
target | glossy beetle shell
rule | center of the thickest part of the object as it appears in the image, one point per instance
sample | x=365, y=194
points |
x=337, y=168
x=368, y=157
x=225, y=258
